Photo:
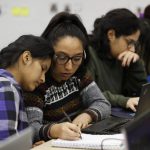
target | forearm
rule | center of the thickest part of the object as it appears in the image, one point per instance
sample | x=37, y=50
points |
x=95, y=102
x=35, y=117
x=99, y=110
x=116, y=99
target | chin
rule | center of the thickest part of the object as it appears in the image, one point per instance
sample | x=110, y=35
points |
x=31, y=88
x=65, y=78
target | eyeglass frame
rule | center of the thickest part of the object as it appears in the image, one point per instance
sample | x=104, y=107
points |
x=70, y=58
x=131, y=42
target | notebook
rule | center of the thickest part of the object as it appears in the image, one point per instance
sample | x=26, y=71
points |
x=20, y=141
x=137, y=133
x=90, y=141
x=113, y=124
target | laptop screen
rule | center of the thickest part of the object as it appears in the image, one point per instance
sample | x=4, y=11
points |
x=144, y=101
x=20, y=141
x=138, y=133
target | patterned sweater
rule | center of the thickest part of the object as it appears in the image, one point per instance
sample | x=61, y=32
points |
x=47, y=104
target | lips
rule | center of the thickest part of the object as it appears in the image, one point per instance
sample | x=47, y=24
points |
x=66, y=74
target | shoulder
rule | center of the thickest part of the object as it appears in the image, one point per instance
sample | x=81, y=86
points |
x=9, y=92
x=4, y=82
x=7, y=86
x=86, y=80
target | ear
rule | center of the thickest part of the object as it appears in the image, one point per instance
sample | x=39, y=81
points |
x=111, y=34
x=26, y=57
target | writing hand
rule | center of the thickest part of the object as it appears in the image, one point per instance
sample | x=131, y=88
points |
x=66, y=131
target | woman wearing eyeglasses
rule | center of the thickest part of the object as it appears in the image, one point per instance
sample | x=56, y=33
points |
x=69, y=100
x=115, y=66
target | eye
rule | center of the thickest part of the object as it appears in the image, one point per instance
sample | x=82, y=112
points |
x=131, y=42
x=61, y=57
x=77, y=58
x=44, y=67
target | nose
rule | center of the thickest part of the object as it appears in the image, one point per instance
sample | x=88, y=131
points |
x=42, y=79
x=69, y=65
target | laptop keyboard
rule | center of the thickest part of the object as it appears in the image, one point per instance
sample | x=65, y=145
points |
x=110, y=125
x=117, y=128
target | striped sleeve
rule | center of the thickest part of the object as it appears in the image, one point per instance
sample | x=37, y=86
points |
x=9, y=109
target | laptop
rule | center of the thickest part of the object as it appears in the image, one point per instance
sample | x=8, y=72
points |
x=20, y=141
x=114, y=124
x=137, y=133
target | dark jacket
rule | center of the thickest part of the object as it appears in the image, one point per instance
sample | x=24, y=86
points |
x=117, y=83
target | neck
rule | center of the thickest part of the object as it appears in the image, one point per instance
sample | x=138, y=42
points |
x=56, y=77
x=15, y=72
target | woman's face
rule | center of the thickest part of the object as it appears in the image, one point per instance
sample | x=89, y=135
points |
x=122, y=43
x=34, y=74
x=68, y=57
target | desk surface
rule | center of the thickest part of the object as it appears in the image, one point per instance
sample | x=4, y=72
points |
x=47, y=146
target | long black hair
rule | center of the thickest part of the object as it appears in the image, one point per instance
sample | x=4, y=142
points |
x=38, y=47
x=66, y=24
x=121, y=20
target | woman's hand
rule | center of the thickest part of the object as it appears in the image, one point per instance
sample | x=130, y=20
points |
x=127, y=57
x=82, y=120
x=132, y=103
x=66, y=131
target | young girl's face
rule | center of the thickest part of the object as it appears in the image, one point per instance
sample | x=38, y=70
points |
x=33, y=73
x=123, y=43
x=68, y=57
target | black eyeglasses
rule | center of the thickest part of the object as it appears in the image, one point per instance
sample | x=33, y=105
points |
x=62, y=59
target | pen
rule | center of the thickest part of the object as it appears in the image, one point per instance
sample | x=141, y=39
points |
x=68, y=118
x=66, y=115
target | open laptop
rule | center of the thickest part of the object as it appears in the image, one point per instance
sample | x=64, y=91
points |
x=20, y=141
x=113, y=124
x=137, y=133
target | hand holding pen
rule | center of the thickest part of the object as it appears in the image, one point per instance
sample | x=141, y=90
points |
x=69, y=119
x=65, y=130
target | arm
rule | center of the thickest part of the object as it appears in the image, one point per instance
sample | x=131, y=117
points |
x=116, y=99
x=128, y=84
x=9, y=110
x=134, y=78
x=120, y=100
x=65, y=130
x=34, y=108
x=48, y=130
x=97, y=106
x=94, y=100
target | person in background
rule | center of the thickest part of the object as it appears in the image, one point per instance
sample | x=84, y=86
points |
x=69, y=100
x=115, y=66
x=23, y=65
x=147, y=12
x=144, y=41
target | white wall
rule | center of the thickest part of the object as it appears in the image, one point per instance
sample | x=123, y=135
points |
x=12, y=26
